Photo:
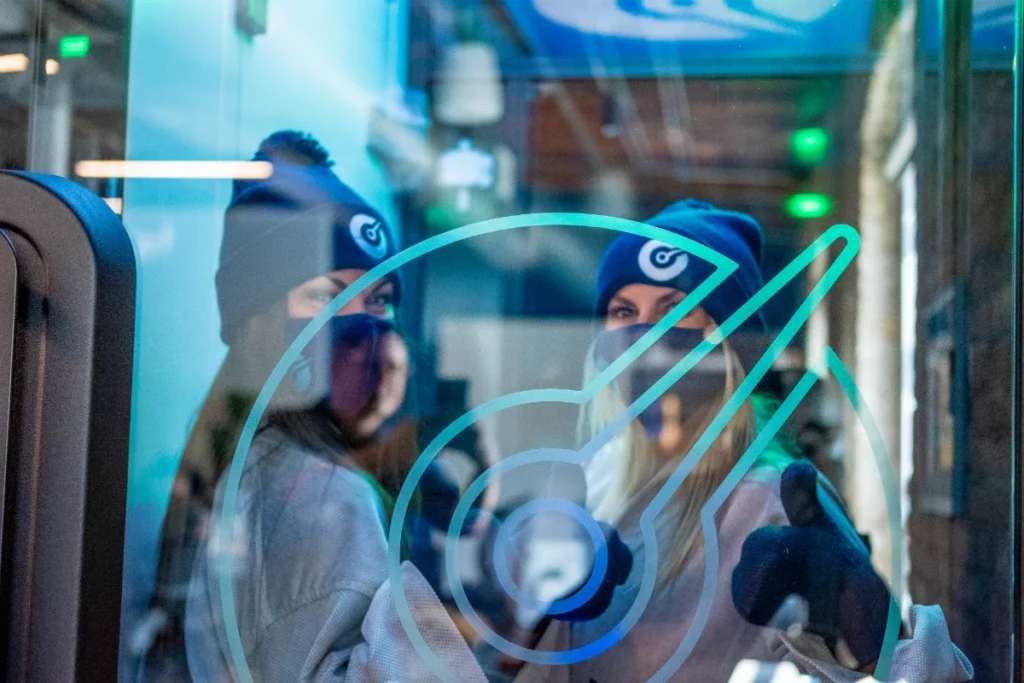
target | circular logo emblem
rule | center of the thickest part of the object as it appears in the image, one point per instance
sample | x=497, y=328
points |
x=661, y=262
x=370, y=234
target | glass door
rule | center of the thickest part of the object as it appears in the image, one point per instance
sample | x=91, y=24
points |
x=555, y=340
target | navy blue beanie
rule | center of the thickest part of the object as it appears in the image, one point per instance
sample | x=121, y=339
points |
x=632, y=259
x=283, y=231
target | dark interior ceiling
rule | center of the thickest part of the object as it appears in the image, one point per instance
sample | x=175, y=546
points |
x=727, y=139
x=731, y=144
x=732, y=134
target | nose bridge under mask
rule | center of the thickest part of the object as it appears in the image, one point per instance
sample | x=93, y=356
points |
x=702, y=385
x=649, y=366
x=344, y=356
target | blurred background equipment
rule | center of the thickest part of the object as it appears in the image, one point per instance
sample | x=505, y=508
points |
x=468, y=92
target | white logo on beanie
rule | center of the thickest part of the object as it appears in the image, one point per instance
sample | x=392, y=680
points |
x=370, y=234
x=662, y=262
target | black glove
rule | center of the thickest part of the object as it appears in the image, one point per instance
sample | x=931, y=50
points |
x=620, y=563
x=814, y=559
x=440, y=496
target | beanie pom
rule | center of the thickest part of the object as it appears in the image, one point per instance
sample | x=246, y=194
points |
x=301, y=222
x=286, y=147
x=294, y=147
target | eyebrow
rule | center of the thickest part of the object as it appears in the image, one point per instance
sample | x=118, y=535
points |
x=621, y=300
x=340, y=284
x=665, y=297
x=381, y=286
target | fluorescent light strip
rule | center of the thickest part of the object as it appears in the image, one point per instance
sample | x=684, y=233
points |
x=52, y=67
x=13, y=63
x=245, y=170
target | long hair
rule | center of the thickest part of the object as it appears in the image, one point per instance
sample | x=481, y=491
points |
x=644, y=467
x=213, y=440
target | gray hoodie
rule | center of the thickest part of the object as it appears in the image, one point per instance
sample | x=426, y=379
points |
x=312, y=600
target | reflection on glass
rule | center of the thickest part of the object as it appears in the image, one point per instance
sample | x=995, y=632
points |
x=781, y=119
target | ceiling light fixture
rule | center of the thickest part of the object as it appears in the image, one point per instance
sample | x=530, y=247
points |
x=13, y=63
x=181, y=170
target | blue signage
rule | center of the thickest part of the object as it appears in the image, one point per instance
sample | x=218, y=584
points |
x=694, y=36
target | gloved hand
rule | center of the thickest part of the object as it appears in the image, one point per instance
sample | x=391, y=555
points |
x=620, y=563
x=440, y=496
x=847, y=601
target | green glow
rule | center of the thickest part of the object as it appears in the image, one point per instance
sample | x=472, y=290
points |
x=810, y=145
x=74, y=47
x=808, y=205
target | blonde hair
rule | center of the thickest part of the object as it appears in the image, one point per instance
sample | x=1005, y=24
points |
x=646, y=468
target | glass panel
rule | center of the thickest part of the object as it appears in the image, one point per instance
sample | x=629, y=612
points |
x=63, y=85
x=481, y=459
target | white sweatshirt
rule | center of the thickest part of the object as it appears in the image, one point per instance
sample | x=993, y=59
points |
x=928, y=656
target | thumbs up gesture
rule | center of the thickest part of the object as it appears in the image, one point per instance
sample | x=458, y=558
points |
x=818, y=560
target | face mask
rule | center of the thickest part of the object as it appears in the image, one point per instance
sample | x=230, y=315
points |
x=343, y=363
x=703, y=385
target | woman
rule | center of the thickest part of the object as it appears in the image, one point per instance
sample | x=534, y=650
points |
x=307, y=553
x=775, y=540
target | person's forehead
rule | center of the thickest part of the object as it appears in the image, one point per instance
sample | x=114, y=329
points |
x=347, y=276
x=640, y=290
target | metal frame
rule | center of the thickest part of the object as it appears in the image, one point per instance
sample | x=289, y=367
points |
x=8, y=322
x=63, y=529
x=1017, y=559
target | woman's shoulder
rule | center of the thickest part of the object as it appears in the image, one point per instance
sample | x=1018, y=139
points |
x=317, y=510
x=767, y=477
x=273, y=447
x=756, y=501
x=299, y=482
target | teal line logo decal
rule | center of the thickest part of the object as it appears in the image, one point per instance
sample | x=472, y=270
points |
x=839, y=234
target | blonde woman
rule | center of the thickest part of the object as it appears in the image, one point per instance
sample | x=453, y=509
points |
x=775, y=539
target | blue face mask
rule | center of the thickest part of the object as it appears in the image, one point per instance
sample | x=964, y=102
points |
x=342, y=360
x=703, y=385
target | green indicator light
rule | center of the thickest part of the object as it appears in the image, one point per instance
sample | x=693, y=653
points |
x=252, y=16
x=810, y=145
x=809, y=205
x=74, y=47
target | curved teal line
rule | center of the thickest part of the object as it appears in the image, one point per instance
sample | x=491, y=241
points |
x=707, y=520
x=230, y=501
x=504, y=540
x=743, y=392
x=724, y=267
x=764, y=438
x=892, y=504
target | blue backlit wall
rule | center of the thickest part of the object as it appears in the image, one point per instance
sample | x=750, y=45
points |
x=201, y=90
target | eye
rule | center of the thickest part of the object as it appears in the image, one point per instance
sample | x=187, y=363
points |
x=672, y=303
x=620, y=312
x=321, y=296
x=381, y=304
